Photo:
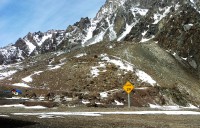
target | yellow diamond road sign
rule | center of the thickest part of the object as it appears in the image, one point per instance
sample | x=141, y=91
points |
x=128, y=87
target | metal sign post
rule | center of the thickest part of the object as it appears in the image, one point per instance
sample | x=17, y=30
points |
x=129, y=102
x=128, y=87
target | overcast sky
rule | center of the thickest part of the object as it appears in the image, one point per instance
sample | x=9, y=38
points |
x=18, y=17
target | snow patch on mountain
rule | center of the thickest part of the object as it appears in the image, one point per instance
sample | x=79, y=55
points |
x=9, y=70
x=122, y=2
x=106, y=94
x=96, y=69
x=112, y=34
x=127, y=31
x=4, y=75
x=8, y=52
x=53, y=67
x=124, y=65
x=97, y=38
x=146, y=39
x=192, y=1
x=31, y=47
x=103, y=95
x=145, y=77
x=20, y=54
x=58, y=53
x=29, y=78
x=136, y=10
x=90, y=30
x=158, y=17
x=80, y=55
x=118, y=103
x=85, y=101
x=109, y=8
x=21, y=85
x=119, y=63
x=144, y=33
x=40, y=41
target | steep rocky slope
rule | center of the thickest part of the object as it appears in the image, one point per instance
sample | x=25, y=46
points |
x=174, y=24
x=95, y=76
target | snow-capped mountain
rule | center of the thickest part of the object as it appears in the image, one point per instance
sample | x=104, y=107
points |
x=117, y=20
x=107, y=25
x=38, y=42
x=30, y=45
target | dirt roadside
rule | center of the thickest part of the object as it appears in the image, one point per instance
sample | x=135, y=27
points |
x=104, y=121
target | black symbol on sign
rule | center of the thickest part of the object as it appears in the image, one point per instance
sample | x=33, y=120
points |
x=128, y=89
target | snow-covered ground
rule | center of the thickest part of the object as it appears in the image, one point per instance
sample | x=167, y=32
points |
x=16, y=98
x=174, y=107
x=61, y=114
x=22, y=106
x=3, y=115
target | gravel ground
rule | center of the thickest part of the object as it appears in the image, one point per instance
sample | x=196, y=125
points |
x=105, y=121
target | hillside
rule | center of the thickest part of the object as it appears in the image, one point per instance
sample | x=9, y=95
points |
x=97, y=74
